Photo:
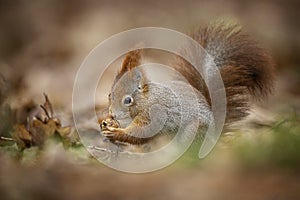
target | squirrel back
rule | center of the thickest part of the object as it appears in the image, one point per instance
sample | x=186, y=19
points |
x=246, y=68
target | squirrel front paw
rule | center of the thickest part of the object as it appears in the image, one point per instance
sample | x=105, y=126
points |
x=110, y=129
x=114, y=135
x=111, y=132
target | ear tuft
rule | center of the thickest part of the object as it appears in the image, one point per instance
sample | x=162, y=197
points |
x=132, y=60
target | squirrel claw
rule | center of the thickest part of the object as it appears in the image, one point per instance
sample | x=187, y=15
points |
x=107, y=133
x=111, y=132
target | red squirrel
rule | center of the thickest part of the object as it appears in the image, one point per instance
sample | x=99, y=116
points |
x=246, y=68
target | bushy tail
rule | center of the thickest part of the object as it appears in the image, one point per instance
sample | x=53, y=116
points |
x=246, y=68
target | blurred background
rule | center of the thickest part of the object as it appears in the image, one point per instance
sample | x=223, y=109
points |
x=42, y=45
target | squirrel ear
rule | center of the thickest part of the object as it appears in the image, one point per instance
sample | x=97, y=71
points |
x=130, y=64
x=132, y=60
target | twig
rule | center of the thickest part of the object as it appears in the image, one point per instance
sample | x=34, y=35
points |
x=109, y=151
x=47, y=106
x=7, y=139
x=100, y=149
x=46, y=112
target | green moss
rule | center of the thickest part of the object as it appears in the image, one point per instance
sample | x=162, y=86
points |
x=279, y=146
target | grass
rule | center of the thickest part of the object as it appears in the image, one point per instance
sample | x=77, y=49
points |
x=278, y=146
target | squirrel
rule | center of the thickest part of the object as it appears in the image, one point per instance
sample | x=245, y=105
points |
x=246, y=68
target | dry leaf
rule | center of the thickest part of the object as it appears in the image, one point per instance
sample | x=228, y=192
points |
x=22, y=136
x=40, y=127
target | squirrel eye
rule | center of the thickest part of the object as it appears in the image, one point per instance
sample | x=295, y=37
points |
x=127, y=100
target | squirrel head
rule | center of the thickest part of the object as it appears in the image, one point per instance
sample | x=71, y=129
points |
x=129, y=90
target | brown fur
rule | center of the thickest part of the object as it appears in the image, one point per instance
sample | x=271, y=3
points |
x=132, y=60
x=246, y=68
